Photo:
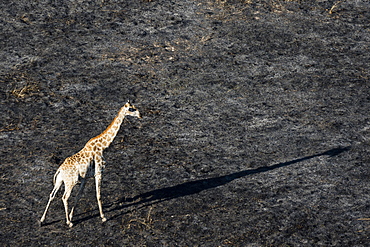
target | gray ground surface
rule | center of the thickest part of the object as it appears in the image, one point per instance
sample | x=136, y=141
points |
x=255, y=128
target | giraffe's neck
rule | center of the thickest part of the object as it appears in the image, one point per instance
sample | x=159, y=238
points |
x=108, y=135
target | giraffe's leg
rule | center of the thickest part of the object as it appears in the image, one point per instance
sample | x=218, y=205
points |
x=98, y=183
x=57, y=185
x=80, y=191
x=99, y=163
x=67, y=193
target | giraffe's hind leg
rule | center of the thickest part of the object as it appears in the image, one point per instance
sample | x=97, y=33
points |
x=80, y=191
x=57, y=185
x=67, y=193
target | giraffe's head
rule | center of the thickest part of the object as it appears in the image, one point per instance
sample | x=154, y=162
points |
x=131, y=110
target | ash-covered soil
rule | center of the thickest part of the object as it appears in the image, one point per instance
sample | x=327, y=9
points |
x=255, y=128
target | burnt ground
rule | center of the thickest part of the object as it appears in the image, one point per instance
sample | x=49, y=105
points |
x=255, y=128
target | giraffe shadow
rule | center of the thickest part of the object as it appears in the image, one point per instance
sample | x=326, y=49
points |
x=89, y=215
x=194, y=187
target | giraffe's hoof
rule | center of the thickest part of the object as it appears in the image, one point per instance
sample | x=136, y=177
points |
x=104, y=219
x=70, y=224
x=41, y=223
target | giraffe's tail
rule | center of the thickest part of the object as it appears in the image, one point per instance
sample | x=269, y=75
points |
x=55, y=176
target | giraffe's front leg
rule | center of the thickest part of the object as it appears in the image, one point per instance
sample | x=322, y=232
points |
x=98, y=183
x=99, y=163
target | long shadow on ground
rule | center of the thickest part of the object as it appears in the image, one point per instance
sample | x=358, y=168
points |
x=193, y=187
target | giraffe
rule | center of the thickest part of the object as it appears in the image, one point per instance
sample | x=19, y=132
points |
x=86, y=163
